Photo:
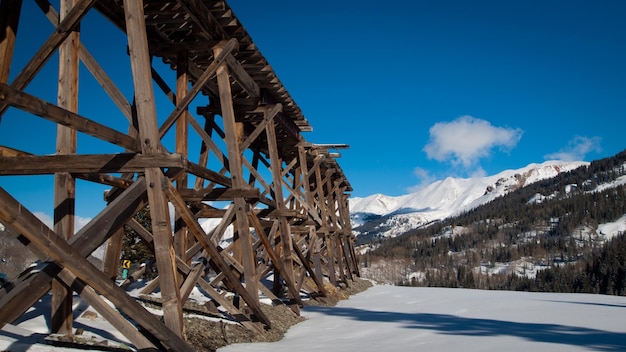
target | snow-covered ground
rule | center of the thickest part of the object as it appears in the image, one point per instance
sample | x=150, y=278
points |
x=391, y=318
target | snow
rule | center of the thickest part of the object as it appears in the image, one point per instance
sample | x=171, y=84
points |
x=611, y=229
x=391, y=318
x=452, y=195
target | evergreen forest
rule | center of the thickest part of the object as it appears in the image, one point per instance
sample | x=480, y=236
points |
x=542, y=237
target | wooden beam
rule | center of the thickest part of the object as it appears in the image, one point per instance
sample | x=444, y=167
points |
x=41, y=108
x=208, y=142
x=88, y=239
x=104, y=308
x=64, y=182
x=92, y=65
x=267, y=118
x=149, y=135
x=63, y=30
x=6, y=151
x=207, y=174
x=234, y=133
x=66, y=256
x=197, y=87
x=87, y=293
x=243, y=78
x=91, y=163
x=203, y=18
x=9, y=20
x=181, y=234
x=193, y=195
x=285, y=231
x=214, y=253
x=278, y=262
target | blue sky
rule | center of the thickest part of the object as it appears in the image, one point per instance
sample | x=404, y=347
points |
x=420, y=90
x=423, y=90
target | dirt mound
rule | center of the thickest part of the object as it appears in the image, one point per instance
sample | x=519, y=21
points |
x=207, y=335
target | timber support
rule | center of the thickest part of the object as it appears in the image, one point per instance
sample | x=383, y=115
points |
x=241, y=205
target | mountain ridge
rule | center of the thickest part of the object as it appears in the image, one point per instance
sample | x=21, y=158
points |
x=394, y=215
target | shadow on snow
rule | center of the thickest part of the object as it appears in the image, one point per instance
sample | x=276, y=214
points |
x=597, y=340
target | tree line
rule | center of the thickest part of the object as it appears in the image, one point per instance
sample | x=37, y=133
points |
x=559, y=234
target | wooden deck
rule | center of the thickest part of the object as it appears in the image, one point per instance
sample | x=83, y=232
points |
x=285, y=199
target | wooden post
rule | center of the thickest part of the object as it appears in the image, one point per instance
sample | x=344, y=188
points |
x=9, y=19
x=149, y=136
x=181, y=240
x=331, y=201
x=284, y=228
x=234, y=134
x=64, y=183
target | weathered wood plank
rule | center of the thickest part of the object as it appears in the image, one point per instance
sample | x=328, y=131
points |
x=214, y=253
x=207, y=174
x=268, y=117
x=91, y=163
x=89, y=238
x=243, y=78
x=208, y=142
x=218, y=193
x=61, y=252
x=92, y=65
x=181, y=238
x=9, y=20
x=234, y=133
x=149, y=135
x=109, y=313
x=64, y=182
x=36, y=106
x=63, y=30
x=284, y=227
x=197, y=87
x=278, y=262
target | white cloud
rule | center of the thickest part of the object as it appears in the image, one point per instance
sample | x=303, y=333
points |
x=577, y=148
x=466, y=140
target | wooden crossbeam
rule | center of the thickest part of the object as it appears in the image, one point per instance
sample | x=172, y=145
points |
x=278, y=262
x=93, y=163
x=243, y=78
x=268, y=117
x=233, y=132
x=214, y=253
x=92, y=65
x=193, y=195
x=66, y=256
x=14, y=303
x=208, y=141
x=36, y=106
x=63, y=30
x=201, y=15
x=197, y=87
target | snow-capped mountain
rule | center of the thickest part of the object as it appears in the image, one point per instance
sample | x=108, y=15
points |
x=390, y=216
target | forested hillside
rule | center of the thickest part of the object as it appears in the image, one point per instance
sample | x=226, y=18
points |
x=544, y=237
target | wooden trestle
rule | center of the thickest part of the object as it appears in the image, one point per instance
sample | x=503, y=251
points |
x=285, y=198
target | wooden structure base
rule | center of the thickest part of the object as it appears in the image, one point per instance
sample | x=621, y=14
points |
x=285, y=200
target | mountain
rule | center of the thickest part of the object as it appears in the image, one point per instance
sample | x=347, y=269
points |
x=565, y=233
x=385, y=216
